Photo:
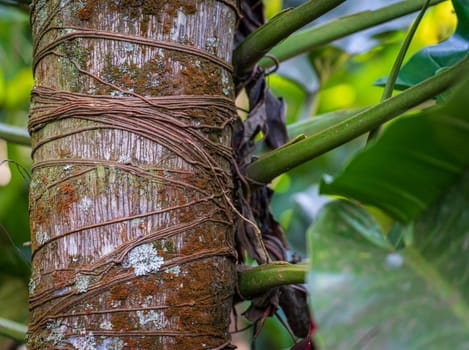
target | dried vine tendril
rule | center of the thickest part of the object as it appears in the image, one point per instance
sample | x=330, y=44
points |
x=162, y=120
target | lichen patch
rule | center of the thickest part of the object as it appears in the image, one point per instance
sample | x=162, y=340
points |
x=144, y=259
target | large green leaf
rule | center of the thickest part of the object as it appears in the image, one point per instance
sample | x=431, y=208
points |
x=413, y=162
x=366, y=296
x=429, y=60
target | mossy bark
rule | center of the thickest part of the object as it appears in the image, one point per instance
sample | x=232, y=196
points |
x=90, y=195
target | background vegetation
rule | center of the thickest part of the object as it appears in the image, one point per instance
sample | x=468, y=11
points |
x=15, y=85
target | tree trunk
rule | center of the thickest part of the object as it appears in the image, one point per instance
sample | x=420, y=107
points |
x=131, y=211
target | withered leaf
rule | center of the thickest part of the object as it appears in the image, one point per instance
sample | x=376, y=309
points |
x=293, y=300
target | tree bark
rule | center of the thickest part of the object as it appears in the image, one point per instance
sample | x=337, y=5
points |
x=131, y=208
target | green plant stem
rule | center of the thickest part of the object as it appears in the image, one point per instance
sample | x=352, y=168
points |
x=260, y=279
x=309, y=39
x=13, y=330
x=258, y=43
x=303, y=128
x=389, y=87
x=283, y=159
x=14, y=134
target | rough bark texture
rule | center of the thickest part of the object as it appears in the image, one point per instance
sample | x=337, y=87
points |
x=130, y=202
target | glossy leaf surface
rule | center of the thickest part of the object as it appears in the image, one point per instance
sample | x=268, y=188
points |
x=367, y=296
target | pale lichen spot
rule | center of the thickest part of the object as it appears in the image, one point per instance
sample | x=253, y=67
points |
x=33, y=184
x=144, y=259
x=42, y=237
x=85, y=203
x=117, y=93
x=226, y=83
x=113, y=343
x=106, y=324
x=137, y=222
x=86, y=342
x=57, y=332
x=128, y=47
x=124, y=159
x=211, y=44
x=175, y=270
x=32, y=285
x=150, y=316
x=148, y=300
x=108, y=248
x=82, y=282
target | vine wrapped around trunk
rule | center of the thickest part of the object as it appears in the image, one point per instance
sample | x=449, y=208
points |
x=131, y=197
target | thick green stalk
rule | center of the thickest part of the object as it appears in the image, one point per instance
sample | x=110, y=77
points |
x=14, y=134
x=311, y=38
x=258, y=43
x=285, y=158
x=389, y=87
x=299, y=130
x=260, y=279
x=13, y=330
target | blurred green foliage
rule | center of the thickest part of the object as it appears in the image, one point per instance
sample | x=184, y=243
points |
x=15, y=86
x=16, y=80
x=343, y=81
x=367, y=295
